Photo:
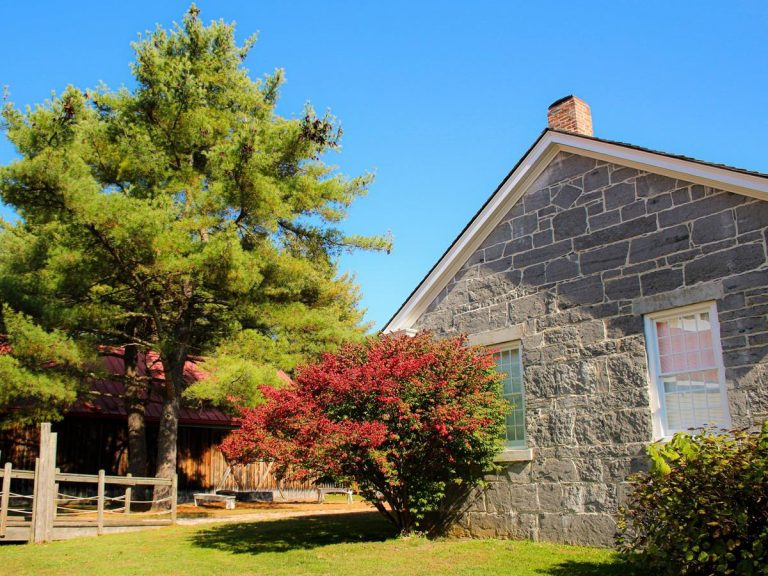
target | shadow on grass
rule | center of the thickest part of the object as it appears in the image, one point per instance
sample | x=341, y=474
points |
x=586, y=568
x=301, y=533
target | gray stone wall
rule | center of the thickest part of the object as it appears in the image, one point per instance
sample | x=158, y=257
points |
x=575, y=264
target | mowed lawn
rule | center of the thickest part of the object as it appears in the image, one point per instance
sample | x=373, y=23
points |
x=354, y=544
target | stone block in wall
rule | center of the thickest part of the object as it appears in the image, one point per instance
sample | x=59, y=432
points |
x=659, y=203
x=589, y=529
x=524, y=226
x=624, y=288
x=502, y=233
x=604, y=258
x=518, y=245
x=596, y=178
x=740, y=407
x=616, y=469
x=475, y=501
x=550, y=497
x=627, y=371
x=624, y=231
x=700, y=208
x=661, y=243
x=590, y=470
x=440, y=321
x=534, y=276
x=752, y=217
x=652, y=184
x=472, y=322
x=623, y=491
x=746, y=357
x=619, y=195
x=603, y=220
x=566, y=166
x=555, y=470
x=725, y=263
x=573, y=498
x=659, y=281
x=622, y=173
x=524, y=526
x=543, y=238
x=754, y=279
x=497, y=497
x=523, y=497
x=489, y=286
x=599, y=497
x=563, y=268
x=562, y=378
x=521, y=309
x=622, y=397
x=622, y=426
x=541, y=255
x=634, y=210
x=591, y=332
x=518, y=472
x=482, y=525
x=565, y=195
x=587, y=290
x=624, y=326
x=570, y=223
x=561, y=427
x=536, y=199
x=714, y=228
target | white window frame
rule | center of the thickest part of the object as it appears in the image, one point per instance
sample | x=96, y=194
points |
x=517, y=346
x=661, y=429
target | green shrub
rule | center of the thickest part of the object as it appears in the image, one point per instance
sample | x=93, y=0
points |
x=703, y=506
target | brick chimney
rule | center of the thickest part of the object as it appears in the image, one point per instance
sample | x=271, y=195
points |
x=570, y=114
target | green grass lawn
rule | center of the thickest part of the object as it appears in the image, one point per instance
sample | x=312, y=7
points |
x=355, y=544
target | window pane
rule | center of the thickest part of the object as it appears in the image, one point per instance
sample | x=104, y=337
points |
x=689, y=376
x=685, y=343
x=508, y=362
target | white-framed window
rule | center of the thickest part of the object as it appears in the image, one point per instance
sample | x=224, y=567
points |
x=686, y=368
x=509, y=362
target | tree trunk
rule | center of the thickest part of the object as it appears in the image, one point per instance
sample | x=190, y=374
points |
x=135, y=405
x=168, y=432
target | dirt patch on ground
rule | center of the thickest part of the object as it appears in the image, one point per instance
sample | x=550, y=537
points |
x=255, y=511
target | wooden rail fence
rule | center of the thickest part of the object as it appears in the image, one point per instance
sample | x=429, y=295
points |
x=49, y=512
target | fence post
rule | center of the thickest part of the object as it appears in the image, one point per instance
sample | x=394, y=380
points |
x=5, y=498
x=100, y=505
x=44, y=503
x=128, y=495
x=33, y=517
x=174, y=490
x=56, y=495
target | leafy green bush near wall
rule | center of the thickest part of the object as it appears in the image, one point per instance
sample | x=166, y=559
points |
x=703, y=506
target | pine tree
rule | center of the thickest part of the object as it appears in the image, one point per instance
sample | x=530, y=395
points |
x=185, y=216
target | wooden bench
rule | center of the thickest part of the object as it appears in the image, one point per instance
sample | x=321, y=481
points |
x=321, y=492
x=228, y=499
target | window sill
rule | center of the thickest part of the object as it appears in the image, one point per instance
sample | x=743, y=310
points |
x=515, y=455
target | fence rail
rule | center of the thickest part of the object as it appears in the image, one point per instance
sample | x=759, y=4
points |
x=49, y=507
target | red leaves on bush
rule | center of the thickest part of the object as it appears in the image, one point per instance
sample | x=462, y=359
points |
x=403, y=417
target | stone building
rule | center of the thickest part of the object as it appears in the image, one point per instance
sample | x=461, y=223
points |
x=626, y=292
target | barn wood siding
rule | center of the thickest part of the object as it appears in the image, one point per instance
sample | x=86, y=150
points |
x=88, y=445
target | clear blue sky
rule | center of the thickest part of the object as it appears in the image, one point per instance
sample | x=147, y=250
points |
x=441, y=99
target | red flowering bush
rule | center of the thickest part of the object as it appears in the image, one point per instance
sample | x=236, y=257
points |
x=413, y=421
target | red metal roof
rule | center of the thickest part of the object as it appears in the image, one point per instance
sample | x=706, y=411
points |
x=104, y=400
x=105, y=396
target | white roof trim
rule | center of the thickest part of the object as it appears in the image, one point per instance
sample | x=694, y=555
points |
x=530, y=167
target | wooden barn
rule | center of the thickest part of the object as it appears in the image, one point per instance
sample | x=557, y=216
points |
x=93, y=434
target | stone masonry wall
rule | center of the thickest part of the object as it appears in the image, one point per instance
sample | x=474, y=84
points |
x=588, y=250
